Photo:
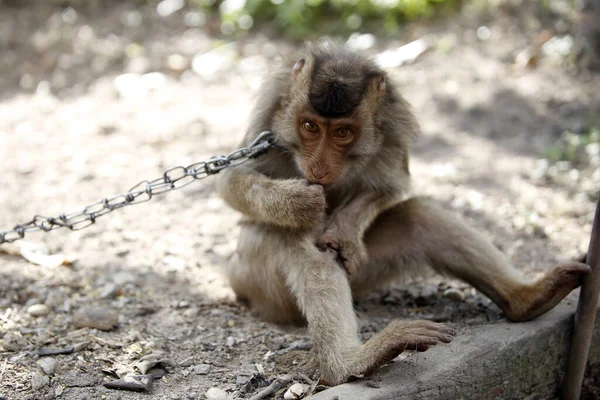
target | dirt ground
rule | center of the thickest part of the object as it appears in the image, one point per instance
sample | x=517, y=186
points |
x=93, y=101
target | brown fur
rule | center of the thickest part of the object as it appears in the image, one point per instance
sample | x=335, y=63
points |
x=316, y=200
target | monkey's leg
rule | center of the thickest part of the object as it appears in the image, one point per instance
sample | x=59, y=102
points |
x=255, y=276
x=322, y=291
x=418, y=232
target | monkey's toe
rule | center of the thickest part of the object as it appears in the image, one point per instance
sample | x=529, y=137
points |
x=576, y=269
x=551, y=289
x=582, y=258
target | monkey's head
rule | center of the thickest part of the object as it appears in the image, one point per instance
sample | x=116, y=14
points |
x=328, y=118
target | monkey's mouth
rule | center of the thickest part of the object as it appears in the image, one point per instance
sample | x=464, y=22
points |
x=322, y=178
x=321, y=181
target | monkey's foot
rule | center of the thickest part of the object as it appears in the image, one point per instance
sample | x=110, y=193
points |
x=398, y=336
x=544, y=295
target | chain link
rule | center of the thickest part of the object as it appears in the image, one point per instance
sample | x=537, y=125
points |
x=172, y=179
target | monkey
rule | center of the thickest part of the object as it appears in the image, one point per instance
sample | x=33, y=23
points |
x=328, y=215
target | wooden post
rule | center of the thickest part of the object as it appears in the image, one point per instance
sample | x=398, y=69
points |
x=584, y=317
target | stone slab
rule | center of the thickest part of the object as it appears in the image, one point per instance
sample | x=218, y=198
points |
x=495, y=361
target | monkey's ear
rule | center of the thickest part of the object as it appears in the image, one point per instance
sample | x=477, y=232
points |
x=298, y=66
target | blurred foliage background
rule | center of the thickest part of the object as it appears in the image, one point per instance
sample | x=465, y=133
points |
x=313, y=18
x=309, y=18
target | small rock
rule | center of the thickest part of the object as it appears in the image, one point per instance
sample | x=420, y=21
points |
x=296, y=391
x=454, y=295
x=133, y=383
x=109, y=291
x=182, y=304
x=13, y=342
x=39, y=380
x=216, y=394
x=48, y=365
x=177, y=63
x=38, y=310
x=202, y=369
x=242, y=378
x=96, y=317
x=230, y=341
x=191, y=312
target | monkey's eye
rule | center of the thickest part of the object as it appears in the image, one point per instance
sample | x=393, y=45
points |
x=343, y=133
x=310, y=127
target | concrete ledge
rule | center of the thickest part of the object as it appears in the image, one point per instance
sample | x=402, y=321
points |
x=496, y=361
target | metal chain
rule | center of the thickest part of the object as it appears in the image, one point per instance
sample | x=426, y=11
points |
x=172, y=179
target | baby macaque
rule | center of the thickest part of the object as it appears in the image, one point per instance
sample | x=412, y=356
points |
x=327, y=215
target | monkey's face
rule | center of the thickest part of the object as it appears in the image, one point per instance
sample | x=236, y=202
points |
x=328, y=121
x=323, y=146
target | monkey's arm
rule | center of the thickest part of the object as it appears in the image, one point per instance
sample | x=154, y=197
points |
x=289, y=203
x=347, y=227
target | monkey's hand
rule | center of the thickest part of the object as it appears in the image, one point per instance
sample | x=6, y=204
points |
x=351, y=251
x=292, y=202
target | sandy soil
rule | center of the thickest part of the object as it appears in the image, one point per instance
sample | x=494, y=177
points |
x=93, y=101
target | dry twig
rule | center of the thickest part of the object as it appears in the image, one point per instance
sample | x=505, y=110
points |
x=277, y=384
x=2, y=371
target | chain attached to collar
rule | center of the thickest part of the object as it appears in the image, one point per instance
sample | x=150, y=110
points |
x=172, y=179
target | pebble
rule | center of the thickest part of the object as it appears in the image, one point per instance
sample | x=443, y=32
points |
x=134, y=383
x=38, y=310
x=230, y=341
x=39, y=380
x=13, y=342
x=96, y=317
x=202, y=369
x=454, y=295
x=109, y=291
x=296, y=391
x=216, y=394
x=191, y=312
x=48, y=365
x=242, y=378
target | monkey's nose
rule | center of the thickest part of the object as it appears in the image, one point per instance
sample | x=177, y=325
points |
x=318, y=175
